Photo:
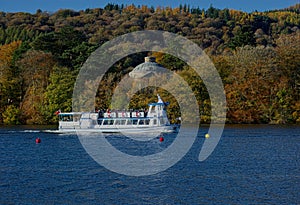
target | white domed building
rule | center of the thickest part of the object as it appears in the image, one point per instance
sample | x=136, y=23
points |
x=147, y=69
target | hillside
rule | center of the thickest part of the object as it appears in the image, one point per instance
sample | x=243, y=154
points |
x=257, y=55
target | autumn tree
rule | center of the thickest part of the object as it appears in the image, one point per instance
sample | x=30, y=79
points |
x=255, y=85
x=9, y=82
x=35, y=69
x=288, y=58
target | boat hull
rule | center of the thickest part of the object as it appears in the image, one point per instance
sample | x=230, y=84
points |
x=161, y=129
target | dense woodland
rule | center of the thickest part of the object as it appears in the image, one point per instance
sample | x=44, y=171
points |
x=257, y=55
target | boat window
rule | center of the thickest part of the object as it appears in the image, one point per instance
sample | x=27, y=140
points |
x=66, y=118
x=147, y=121
x=154, y=122
x=100, y=121
x=129, y=122
x=76, y=117
x=141, y=122
x=108, y=122
x=120, y=122
x=134, y=122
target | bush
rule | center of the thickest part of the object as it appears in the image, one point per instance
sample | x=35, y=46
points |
x=11, y=115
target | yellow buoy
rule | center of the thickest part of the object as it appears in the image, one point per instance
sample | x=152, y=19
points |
x=207, y=135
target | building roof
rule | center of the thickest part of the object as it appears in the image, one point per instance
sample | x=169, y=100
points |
x=147, y=69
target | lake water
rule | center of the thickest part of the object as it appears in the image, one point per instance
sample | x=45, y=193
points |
x=251, y=165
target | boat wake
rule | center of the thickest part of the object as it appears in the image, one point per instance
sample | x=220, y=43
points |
x=23, y=131
x=31, y=131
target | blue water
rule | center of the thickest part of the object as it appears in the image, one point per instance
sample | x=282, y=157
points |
x=250, y=165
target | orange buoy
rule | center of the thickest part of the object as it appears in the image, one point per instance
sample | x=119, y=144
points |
x=161, y=139
x=37, y=140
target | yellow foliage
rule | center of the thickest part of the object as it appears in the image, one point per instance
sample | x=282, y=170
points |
x=130, y=8
x=7, y=51
x=145, y=9
x=158, y=56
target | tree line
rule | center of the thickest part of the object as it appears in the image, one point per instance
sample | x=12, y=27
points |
x=257, y=55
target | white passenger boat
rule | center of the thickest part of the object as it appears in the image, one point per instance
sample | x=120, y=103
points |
x=155, y=119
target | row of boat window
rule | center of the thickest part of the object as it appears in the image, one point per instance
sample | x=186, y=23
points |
x=69, y=118
x=112, y=115
x=115, y=121
x=126, y=122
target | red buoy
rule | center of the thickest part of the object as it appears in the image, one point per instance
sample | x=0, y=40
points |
x=37, y=140
x=161, y=139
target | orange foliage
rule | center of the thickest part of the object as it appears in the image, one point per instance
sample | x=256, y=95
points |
x=130, y=8
x=7, y=51
x=158, y=56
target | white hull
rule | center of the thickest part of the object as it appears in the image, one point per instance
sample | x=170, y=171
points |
x=162, y=129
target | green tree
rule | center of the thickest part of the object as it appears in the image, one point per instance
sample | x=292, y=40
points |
x=243, y=37
x=58, y=95
x=75, y=57
x=60, y=44
x=212, y=12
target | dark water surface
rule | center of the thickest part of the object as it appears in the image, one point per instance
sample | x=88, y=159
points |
x=251, y=165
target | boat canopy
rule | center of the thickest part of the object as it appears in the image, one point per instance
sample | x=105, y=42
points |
x=158, y=103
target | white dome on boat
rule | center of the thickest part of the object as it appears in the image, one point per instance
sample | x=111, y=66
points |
x=147, y=69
